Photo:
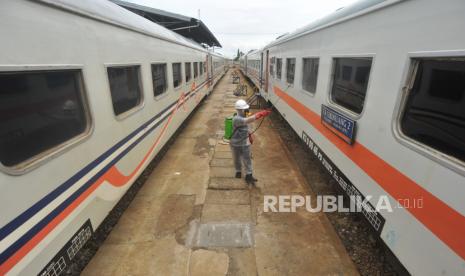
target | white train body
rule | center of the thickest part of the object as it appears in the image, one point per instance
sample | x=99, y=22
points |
x=400, y=40
x=66, y=190
x=253, y=68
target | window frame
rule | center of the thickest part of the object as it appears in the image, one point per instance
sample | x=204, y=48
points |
x=135, y=109
x=272, y=67
x=294, y=74
x=408, y=78
x=351, y=114
x=39, y=159
x=191, y=75
x=302, y=75
x=175, y=88
x=162, y=95
x=279, y=77
x=195, y=67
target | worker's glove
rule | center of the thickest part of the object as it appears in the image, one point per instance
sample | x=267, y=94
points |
x=262, y=114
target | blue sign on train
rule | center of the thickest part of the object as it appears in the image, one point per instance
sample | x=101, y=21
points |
x=339, y=124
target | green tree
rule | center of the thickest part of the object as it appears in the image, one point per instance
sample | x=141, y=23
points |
x=239, y=54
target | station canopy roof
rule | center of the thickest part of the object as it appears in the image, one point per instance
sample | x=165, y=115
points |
x=188, y=27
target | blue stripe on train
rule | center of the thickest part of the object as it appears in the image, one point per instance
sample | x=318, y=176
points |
x=45, y=221
x=40, y=225
x=31, y=211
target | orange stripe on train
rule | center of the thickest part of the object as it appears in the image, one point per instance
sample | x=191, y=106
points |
x=113, y=176
x=442, y=220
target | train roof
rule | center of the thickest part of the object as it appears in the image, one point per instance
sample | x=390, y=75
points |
x=113, y=14
x=346, y=13
x=253, y=51
x=216, y=54
x=189, y=27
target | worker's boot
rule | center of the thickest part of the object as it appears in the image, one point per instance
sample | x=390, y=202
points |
x=238, y=175
x=250, y=179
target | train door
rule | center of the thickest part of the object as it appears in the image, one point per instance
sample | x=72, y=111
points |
x=207, y=70
x=267, y=70
x=211, y=69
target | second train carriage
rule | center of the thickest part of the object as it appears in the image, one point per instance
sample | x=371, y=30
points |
x=395, y=71
x=253, y=67
x=89, y=94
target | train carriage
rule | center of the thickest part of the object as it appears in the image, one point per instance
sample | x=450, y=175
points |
x=393, y=72
x=254, y=68
x=89, y=94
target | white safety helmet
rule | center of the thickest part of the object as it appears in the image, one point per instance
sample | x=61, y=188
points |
x=241, y=105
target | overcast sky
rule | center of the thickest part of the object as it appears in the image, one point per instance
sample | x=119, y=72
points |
x=249, y=24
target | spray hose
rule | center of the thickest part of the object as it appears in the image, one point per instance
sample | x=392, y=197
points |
x=261, y=122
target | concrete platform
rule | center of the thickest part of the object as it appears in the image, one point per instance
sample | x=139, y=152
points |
x=226, y=183
x=192, y=217
x=227, y=213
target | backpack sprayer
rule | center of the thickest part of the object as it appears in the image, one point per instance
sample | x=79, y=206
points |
x=228, y=127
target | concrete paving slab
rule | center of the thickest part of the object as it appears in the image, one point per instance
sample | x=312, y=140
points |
x=197, y=186
x=227, y=183
x=225, y=235
x=137, y=222
x=176, y=161
x=158, y=187
x=164, y=168
x=222, y=154
x=175, y=213
x=222, y=172
x=206, y=262
x=222, y=147
x=143, y=208
x=184, y=144
x=218, y=213
x=242, y=262
x=222, y=162
x=160, y=257
x=234, y=197
x=186, y=182
x=194, y=131
x=132, y=231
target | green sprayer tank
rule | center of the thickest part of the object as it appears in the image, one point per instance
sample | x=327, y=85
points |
x=228, y=127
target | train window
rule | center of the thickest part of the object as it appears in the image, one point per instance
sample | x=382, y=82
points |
x=349, y=91
x=177, y=75
x=290, y=70
x=196, y=70
x=346, y=72
x=309, y=74
x=279, y=64
x=125, y=88
x=187, y=69
x=200, y=68
x=160, y=83
x=272, y=62
x=40, y=110
x=434, y=113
